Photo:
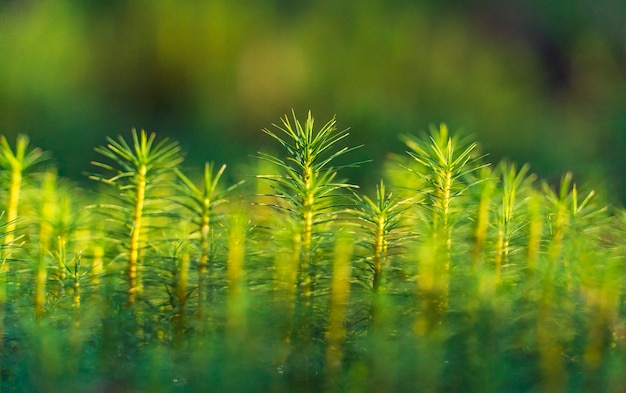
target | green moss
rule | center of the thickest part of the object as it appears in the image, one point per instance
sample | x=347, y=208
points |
x=472, y=279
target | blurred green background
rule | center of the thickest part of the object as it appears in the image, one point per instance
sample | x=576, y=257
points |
x=535, y=81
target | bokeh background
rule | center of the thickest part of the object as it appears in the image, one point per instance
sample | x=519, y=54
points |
x=536, y=81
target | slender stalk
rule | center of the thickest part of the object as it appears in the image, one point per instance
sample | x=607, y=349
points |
x=447, y=166
x=307, y=273
x=76, y=283
x=285, y=295
x=446, y=199
x=202, y=203
x=567, y=215
x=306, y=194
x=16, y=162
x=339, y=294
x=515, y=185
x=237, y=312
x=45, y=235
x=97, y=265
x=483, y=217
x=535, y=230
x=13, y=203
x=135, y=169
x=385, y=218
x=307, y=173
x=380, y=217
x=205, y=248
x=182, y=284
x=236, y=321
x=134, y=287
x=548, y=341
x=62, y=257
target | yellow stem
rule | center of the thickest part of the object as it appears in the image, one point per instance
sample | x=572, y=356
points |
x=236, y=316
x=76, y=297
x=204, y=255
x=340, y=289
x=135, y=233
x=379, y=252
x=307, y=234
